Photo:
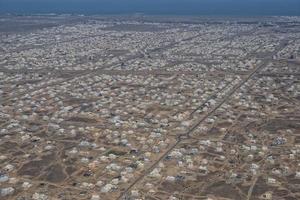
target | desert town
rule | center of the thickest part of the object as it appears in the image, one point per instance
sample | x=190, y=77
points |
x=112, y=108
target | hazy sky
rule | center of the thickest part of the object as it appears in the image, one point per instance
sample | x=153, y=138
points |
x=184, y=7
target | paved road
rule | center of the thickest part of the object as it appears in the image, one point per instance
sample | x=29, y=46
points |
x=187, y=134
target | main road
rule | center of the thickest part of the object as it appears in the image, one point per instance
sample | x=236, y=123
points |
x=186, y=135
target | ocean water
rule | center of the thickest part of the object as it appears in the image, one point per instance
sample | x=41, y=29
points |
x=154, y=7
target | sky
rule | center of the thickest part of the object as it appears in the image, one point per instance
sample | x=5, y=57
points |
x=155, y=7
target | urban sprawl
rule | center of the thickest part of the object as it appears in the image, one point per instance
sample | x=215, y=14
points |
x=134, y=108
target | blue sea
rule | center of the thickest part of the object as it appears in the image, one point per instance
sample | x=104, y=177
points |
x=154, y=7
